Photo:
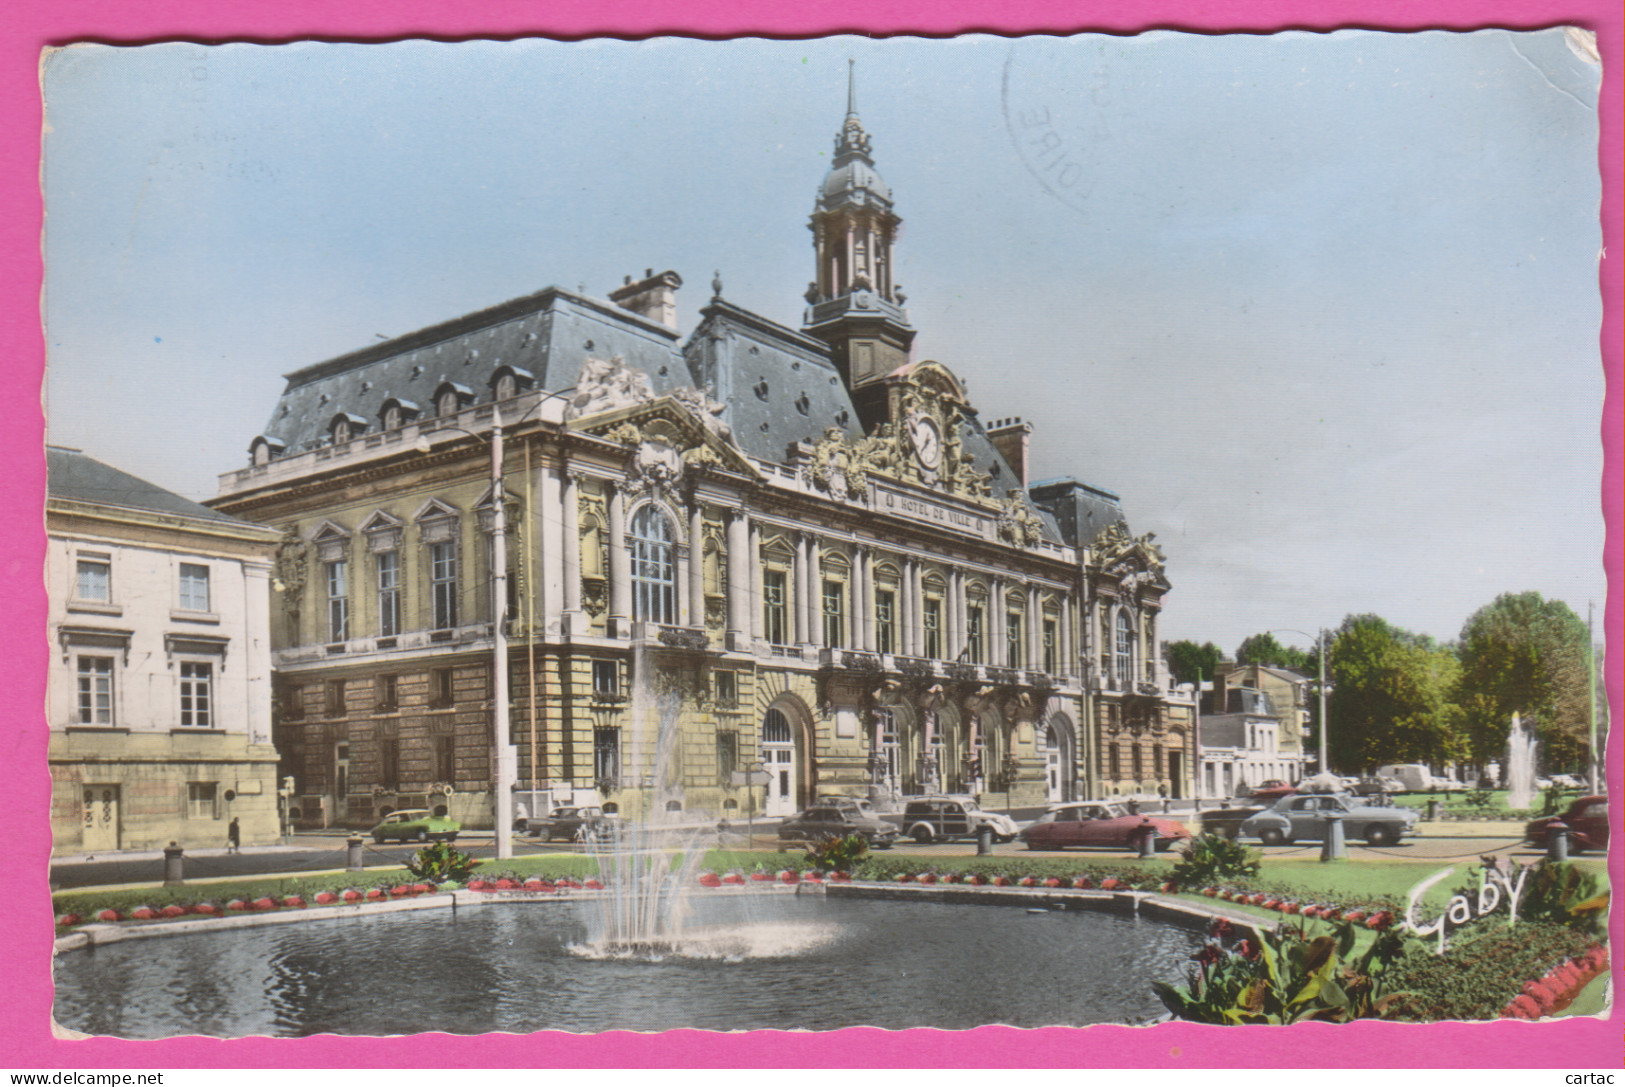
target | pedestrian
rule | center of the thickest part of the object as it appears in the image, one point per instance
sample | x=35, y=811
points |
x=234, y=837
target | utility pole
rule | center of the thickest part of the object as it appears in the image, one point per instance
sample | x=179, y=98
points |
x=1591, y=698
x=502, y=801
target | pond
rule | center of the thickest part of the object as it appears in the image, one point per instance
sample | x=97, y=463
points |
x=747, y=962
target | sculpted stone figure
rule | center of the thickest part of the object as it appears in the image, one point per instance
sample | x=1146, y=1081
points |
x=607, y=384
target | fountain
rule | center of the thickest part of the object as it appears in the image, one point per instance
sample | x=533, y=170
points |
x=1521, y=746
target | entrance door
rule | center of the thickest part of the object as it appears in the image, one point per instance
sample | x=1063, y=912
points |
x=1176, y=774
x=100, y=821
x=779, y=760
x=1053, y=779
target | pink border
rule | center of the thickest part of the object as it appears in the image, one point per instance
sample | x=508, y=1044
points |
x=27, y=1042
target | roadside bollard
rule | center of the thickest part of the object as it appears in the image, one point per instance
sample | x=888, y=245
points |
x=1433, y=811
x=1557, y=840
x=353, y=859
x=1148, y=841
x=174, y=864
x=1332, y=847
x=984, y=841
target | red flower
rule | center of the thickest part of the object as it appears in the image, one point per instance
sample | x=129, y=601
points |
x=1522, y=1007
x=1289, y=907
x=423, y=888
x=1209, y=954
x=207, y=909
x=1001, y=881
x=1379, y=921
x=733, y=878
x=236, y=904
x=1110, y=883
x=759, y=877
x=68, y=919
x=143, y=913
x=473, y=885
x=1221, y=929
x=172, y=910
x=594, y=885
x=978, y=879
x=402, y=890
x=375, y=894
x=928, y=879
x=1248, y=950
x=1543, y=996
x=293, y=902
x=1211, y=892
x=842, y=877
x=710, y=879
x=324, y=898
x=1052, y=881
x=1354, y=917
x=1083, y=883
x=1170, y=888
x=1028, y=881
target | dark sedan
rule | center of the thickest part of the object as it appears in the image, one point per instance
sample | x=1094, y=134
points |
x=571, y=824
x=1587, y=820
x=822, y=822
x=1227, y=821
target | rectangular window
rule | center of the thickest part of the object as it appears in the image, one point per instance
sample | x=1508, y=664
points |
x=1015, y=657
x=933, y=627
x=389, y=593
x=387, y=688
x=445, y=758
x=94, y=582
x=727, y=756
x=335, y=698
x=773, y=610
x=443, y=583
x=727, y=688
x=1156, y=757
x=95, y=690
x=440, y=693
x=834, y=614
x=194, y=587
x=338, y=601
x=389, y=763
x=606, y=678
x=606, y=756
x=201, y=799
x=1135, y=755
x=293, y=702
x=885, y=621
x=1050, y=659
x=1116, y=763
x=973, y=635
x=196, y=681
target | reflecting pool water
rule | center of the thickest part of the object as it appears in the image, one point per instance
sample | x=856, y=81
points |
x=777, y=962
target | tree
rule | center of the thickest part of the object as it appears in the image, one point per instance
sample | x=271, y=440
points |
x=1264, y=649
x=1525, y=655
x=1189, y=662
x=1391, y=696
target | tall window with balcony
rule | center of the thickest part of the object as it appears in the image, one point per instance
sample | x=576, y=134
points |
x=1015, y=646
x=1051, y=653
x=975, y=650
x=886, y=620
x=196, y=704
x=95, y=690
x=194, y=587
x=834, y=614
x=933, y=627
x=774, y=616
x=389, y=593
x=654, y=574
x=1123, y=652
x=443, y=584
x=338, y=600
x=606, y=757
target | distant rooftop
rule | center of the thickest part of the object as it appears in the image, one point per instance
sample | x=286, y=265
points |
x=76, y=477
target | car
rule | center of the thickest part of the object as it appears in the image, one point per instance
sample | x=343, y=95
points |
x=944, y=818
x=1098, y=825
x=823, y=822
x=1587, y=820
x=571, y=823
x=1273, y=789
x=856, y=805
x=1303, y=818
x=1376, y=786
x=1226, y=822
x=416, y=825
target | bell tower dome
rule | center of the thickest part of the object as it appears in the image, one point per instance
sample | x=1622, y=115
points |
x=854, y=304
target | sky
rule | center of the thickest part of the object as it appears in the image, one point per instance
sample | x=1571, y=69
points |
x=1321, y=308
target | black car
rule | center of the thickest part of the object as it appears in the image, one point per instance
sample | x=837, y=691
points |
x=1227, y=821
x=571, y=824
x=822, y=822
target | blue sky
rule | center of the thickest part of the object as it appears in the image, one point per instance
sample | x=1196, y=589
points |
x=1322, y=309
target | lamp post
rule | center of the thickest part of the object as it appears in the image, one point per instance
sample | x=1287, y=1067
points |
x=1320, y=660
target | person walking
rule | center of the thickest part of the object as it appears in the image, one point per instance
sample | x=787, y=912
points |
x=234, y=837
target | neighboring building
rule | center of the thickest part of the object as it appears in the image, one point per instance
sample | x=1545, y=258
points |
x=1245, y=735
x=159, y=687
x=1289, y=695
x=759, y=548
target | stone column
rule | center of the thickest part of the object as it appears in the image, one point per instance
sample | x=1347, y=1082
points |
x=995, y=625
x=753, y=562
x=739, y=572
x=1035, y=630
x=798, y=593
x=620, y=567
x=570, y=518
x=1069, y=663
x=696, y=565
x=547, y=547
x=864, y=619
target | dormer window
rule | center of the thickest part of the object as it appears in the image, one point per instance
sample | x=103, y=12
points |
x=397, y=413
x=450, y=398
x=345, y=426
x=262, y=450
x=509, y=381
x=506, y=388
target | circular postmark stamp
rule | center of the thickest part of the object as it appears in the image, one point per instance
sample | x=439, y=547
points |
x=1057, y=94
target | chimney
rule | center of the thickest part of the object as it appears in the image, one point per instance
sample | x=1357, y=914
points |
x=1011, y=437
x=653, y=296
x=1220, y=702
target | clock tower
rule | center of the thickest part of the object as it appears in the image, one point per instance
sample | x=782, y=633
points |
x=854, y=304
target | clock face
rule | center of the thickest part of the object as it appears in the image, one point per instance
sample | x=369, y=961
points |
x=927, y=443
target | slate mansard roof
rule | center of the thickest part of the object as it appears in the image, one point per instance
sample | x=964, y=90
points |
x=74, y=477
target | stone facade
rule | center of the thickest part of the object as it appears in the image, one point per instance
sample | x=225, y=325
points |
x=744, y=569
x=159, y=693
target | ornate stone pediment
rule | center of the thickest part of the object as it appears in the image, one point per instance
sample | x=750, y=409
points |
x=669, y=439
x=1017, y=523
x=1135, y=563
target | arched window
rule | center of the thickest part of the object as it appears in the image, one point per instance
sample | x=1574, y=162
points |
x=1124, y=651
x=775, y=727
x=654, y=578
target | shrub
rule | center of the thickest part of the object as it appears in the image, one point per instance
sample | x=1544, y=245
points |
x=1564, y=895
x=1486, y=968
x=1207, y=857
x=441, y=861
x=838, y=854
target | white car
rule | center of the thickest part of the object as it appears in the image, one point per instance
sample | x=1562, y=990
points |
x=942, y=818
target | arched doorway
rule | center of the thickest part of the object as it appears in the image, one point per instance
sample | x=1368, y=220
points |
x=1059, y=770
x=779, y=760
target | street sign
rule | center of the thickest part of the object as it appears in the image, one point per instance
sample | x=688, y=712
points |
x=751, y=777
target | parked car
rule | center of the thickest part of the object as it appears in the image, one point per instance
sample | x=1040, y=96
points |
x=1227, y=821
x=1303, y=818
x=1273, y=789
x=941, y=818
x=824, y=821
x=1415, y=777
x=856, y=805
x=571, y=824
x=416, y=825
x=1587, y=820
x=1376, y=786
x=1095, y=826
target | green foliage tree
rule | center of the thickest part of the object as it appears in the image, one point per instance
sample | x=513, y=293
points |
x=1264, y=649
x=1189, y=662
x=1525, y=655
x=1391, y=697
